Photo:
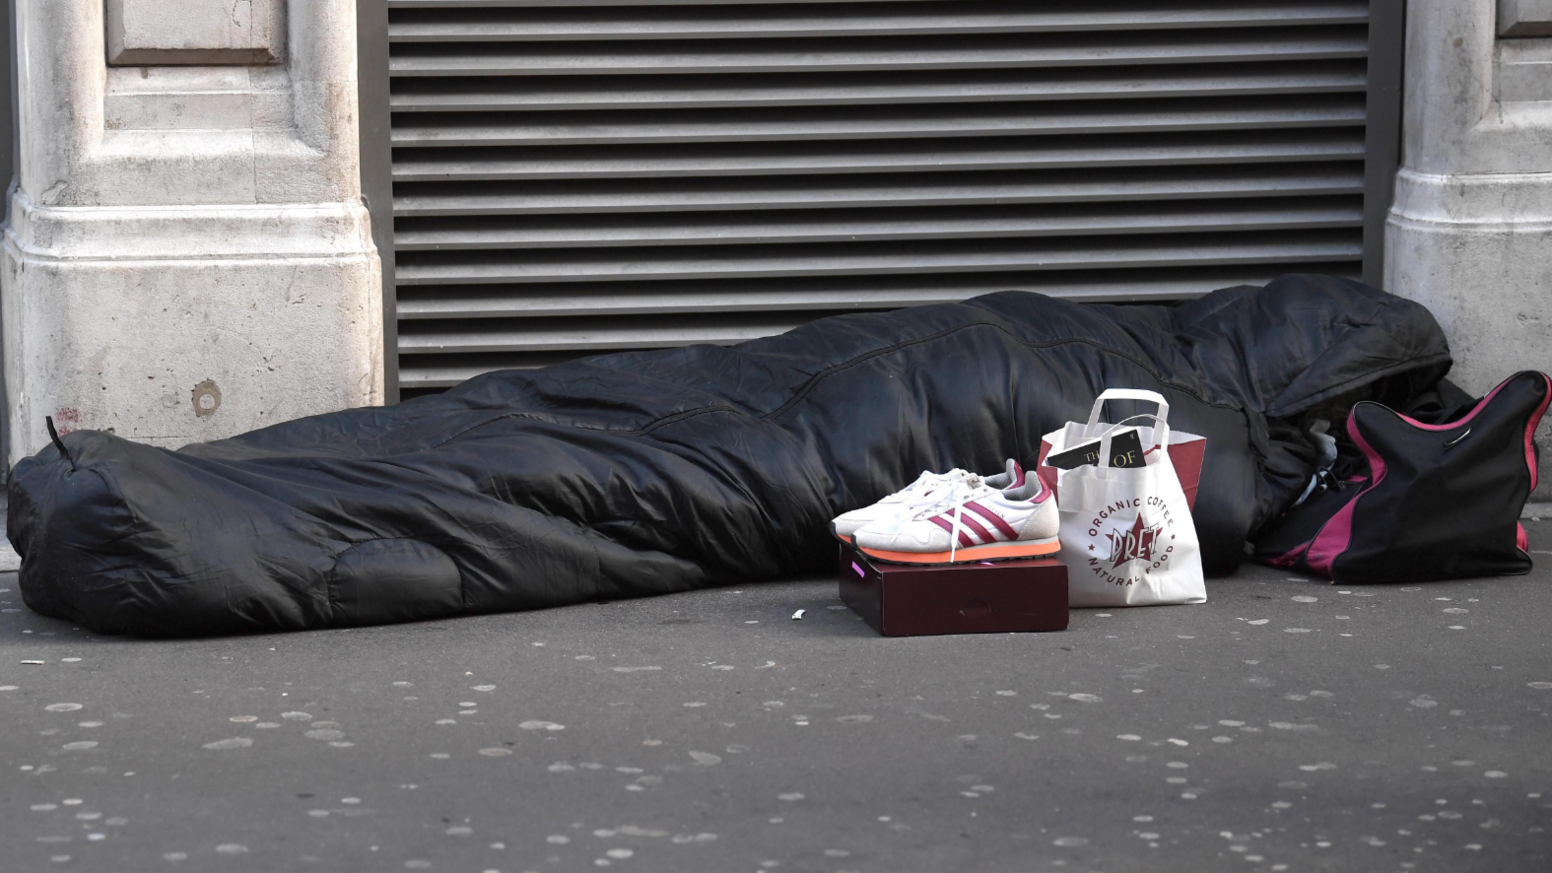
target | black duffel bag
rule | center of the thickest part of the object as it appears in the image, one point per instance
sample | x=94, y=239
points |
x=1423, y=499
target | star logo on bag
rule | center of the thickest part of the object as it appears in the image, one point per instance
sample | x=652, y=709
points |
x=1132, y=545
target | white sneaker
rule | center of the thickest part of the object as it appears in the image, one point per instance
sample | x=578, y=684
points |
x=927, y=490
x=971, y=521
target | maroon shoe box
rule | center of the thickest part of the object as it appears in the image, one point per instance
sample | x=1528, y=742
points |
x=906, y=600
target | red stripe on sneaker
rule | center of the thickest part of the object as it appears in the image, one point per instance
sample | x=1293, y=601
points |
x=985, y=535
x=996, y=520
x=947, y=525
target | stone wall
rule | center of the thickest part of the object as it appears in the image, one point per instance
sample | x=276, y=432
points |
x=188, y=257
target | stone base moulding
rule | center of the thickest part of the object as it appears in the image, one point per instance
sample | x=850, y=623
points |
x=170, y=325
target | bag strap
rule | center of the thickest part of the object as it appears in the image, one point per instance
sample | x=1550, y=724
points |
x=1129, y=394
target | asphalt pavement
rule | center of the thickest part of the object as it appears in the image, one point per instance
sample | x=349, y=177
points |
x=1287, y=724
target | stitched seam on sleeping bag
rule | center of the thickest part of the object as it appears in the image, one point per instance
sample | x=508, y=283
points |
x=813, y=382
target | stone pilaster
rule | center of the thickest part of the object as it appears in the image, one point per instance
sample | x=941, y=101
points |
x=1470, y=232
x=186, y=225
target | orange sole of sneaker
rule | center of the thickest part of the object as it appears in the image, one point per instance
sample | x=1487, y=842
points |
x=995, y=552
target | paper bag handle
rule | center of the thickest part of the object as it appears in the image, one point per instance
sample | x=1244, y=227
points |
x=1129, y=394
x=1161, y=432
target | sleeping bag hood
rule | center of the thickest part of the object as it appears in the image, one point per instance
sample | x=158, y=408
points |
x=652, y=472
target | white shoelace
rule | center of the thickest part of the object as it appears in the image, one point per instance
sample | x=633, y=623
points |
x=925, y=490
x=962, y=492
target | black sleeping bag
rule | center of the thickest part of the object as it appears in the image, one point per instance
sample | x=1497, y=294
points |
x=651, y=472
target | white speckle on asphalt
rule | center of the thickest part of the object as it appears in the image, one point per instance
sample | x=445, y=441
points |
x=233, y=743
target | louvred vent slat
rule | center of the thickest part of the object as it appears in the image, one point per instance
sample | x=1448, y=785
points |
x=572, y=178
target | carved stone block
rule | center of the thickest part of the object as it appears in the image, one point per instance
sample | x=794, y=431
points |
x=1522, y=18
x=167, y=32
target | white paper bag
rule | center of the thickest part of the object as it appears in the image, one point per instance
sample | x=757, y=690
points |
x=1127, y=534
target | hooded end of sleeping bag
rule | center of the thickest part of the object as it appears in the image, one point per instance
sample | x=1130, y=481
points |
x=645, y=473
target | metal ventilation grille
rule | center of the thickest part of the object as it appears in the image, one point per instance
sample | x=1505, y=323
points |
x=572, y=178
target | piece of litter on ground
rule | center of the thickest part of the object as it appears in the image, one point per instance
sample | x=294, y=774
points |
x=798, y=616
x=34, y=663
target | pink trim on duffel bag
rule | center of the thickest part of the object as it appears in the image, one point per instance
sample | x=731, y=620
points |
x=1337, y=533
x=1530, y=427
x=1464, y=419
x=1530, y=433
